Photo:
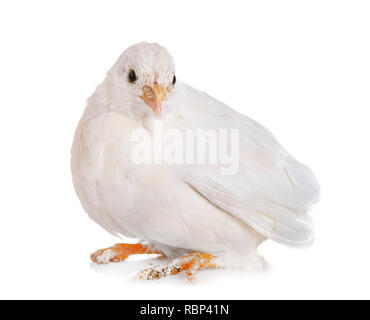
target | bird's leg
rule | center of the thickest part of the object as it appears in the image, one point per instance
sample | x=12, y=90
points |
x=120, y=252
x=189, y=263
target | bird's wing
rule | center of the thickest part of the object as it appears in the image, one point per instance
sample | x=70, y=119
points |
x=271, y=191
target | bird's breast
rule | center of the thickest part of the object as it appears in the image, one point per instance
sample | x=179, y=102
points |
x=113, y=189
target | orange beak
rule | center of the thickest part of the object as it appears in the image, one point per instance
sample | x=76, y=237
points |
x=154, y=97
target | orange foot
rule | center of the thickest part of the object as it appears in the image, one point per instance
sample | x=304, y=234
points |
x=119, y=252
x=190, y=264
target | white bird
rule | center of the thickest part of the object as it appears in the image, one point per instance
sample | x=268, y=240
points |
x=192, y=213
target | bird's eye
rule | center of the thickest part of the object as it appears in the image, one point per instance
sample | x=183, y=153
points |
x=174, y=80
x=132, y=77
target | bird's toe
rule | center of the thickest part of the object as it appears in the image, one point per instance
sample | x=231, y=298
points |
x=104, y=256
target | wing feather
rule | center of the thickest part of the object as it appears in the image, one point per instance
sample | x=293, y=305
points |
x=272, y=192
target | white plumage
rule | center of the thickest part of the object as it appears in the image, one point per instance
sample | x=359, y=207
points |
x=185, y=208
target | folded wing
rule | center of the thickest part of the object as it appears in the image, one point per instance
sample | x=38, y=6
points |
x=271, y=191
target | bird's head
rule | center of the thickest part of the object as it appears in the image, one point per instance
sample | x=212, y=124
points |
x=143, y=79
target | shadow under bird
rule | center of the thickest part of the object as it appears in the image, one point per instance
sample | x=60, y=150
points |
x=191, y=213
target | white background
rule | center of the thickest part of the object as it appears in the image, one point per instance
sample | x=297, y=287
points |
x=302, y=68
